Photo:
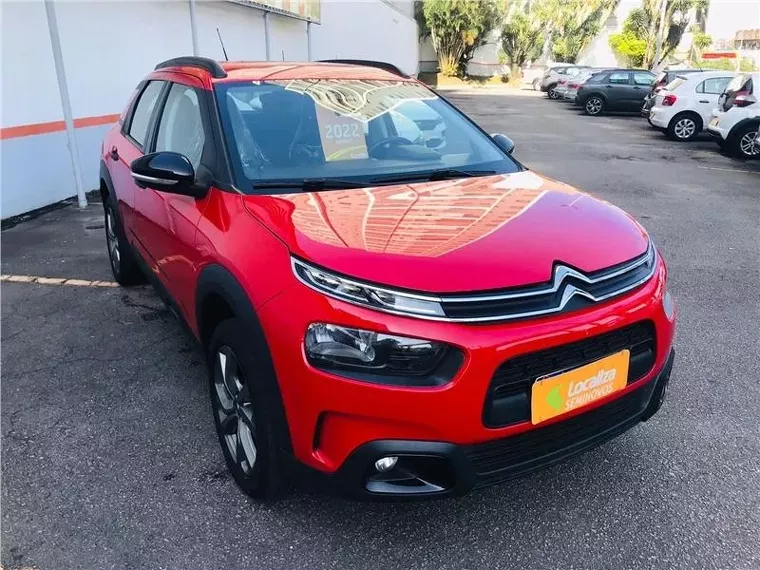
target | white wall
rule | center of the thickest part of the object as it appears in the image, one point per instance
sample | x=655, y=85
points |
x=27, y=60
x=242, y=30
x=369, y=29
x=108, y=46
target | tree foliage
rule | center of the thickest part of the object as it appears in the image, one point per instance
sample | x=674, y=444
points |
x=630, y=47
x=522, y=38
x=643, y=24
x=573, y=24
x=457, y=28
x=745, y=64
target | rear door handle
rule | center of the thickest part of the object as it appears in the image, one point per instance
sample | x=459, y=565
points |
x=114, y=153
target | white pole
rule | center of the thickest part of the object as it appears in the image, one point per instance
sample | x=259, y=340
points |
x=267, y=42
x=308, y=41
x=60, y=72
x=193, y=27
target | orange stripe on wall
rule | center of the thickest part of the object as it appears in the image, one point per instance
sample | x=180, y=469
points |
x=54, y=126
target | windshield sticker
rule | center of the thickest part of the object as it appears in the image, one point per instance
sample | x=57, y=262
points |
x=342, y=137
x=363, y=100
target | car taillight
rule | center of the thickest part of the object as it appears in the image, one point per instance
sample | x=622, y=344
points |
x=744, y=99
x=573, y=85
x=669, y=100
x=562, y=81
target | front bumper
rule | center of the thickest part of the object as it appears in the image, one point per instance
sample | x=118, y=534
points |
x=438, y=469
x=330, y=417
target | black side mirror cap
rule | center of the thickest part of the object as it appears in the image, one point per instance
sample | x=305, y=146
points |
x=168, y=172
x=503, y=142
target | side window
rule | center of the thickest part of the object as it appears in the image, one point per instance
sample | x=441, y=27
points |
x=138, y=128
x=618, y=78
x=642, y=79
x=714, y=85
x=181, y=127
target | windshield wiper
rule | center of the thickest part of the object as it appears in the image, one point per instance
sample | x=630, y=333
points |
x=310, y=184
x=441, y=174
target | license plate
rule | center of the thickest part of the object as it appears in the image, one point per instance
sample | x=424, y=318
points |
x=561, y=393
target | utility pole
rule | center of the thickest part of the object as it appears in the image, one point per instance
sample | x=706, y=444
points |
x=660, y=33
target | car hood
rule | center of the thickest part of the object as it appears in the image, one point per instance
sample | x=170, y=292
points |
x=471, y=234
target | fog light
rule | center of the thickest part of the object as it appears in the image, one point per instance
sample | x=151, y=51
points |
x=386, y=463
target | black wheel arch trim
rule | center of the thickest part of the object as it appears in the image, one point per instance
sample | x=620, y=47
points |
x=218, y=280
x=105, y=175
x=749, y=121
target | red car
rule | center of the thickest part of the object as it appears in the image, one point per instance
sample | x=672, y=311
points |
x=384, y=294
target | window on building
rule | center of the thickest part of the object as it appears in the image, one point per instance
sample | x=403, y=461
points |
x=138, y=128
x=181, y=127
x=618, y=78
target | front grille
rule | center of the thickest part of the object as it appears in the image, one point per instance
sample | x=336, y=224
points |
x=496, y=461
x=508, y=398
x=569, y=290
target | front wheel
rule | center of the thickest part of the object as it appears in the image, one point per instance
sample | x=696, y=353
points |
x=242, y=415
x=593, y=106
x=745, y=145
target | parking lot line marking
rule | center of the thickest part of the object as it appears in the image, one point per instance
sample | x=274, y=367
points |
x=726, y=169
x=56, y=281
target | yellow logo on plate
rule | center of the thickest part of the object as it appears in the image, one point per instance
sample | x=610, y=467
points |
x=562, y=393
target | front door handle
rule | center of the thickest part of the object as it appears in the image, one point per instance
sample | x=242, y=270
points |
x=114, y=154
x=703, y=101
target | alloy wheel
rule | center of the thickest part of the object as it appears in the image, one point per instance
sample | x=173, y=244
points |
x=112, y=240
x=234, y=409
x=552, y=93
x=594, y=106
x=747, y=144
x=685, y=128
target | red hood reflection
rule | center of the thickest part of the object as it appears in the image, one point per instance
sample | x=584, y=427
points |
x=462, y=235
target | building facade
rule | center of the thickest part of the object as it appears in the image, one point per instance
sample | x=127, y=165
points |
x=69, y=68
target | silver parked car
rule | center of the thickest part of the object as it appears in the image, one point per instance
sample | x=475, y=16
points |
x=557, y=76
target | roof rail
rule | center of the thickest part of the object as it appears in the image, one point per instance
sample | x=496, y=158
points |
x=210, y=65
x=389, y=67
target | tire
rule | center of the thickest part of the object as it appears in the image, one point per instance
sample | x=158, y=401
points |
x=593, y=106
x=685, y=127
x=126, y=271
x=536, y=84
x=242, y=415
x=551, y=92
x=742, y=142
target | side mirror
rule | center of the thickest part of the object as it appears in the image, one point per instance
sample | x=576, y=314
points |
x=168, y=172
x=504, y=142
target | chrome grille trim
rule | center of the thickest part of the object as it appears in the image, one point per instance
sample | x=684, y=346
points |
x=560, y=276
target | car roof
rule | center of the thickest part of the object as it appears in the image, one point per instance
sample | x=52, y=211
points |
x=224, y=71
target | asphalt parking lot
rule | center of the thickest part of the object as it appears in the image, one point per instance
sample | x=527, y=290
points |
x=110, y=459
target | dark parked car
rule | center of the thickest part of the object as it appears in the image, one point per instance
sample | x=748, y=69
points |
x=615, y=90
x=662, y=80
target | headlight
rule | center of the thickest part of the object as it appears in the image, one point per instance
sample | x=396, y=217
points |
x=367, y=295
x=378, y=357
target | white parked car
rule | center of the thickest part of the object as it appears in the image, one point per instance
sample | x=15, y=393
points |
x=683, y=108
x=736, y=118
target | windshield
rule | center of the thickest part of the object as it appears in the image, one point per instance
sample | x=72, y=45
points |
x=356, y=130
